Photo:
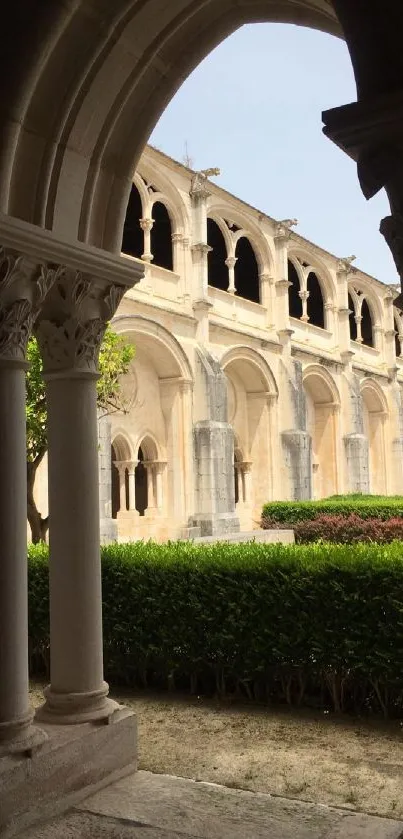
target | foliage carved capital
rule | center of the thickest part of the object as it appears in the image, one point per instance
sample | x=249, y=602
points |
x=24, y=284
x=74, y=321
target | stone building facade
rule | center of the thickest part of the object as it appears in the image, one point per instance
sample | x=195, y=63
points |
x=265, y=367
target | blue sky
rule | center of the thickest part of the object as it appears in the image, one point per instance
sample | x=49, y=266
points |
x=253, y=108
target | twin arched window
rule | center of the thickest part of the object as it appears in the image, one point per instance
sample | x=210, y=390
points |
x=360, y=317
x=159, y=229
x=305, y=297
x=245, y=277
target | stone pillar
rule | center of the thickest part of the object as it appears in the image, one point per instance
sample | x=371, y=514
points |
x=296, y=441
x=121, y=467
x=23, y=286
x=70, y=330
x=146, y=225
x=108, y=525
x=267, y=298
x=356, y=442
x=159, y=467
x=281, y=239
x=213, y=440
x=230, y=263
x=151, y=501
x=131, y=470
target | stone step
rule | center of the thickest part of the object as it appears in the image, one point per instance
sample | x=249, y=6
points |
x=268, y=536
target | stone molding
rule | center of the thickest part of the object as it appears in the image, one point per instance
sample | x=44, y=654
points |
x=44, y=247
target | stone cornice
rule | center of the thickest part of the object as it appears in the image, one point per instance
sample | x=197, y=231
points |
x=44, y=246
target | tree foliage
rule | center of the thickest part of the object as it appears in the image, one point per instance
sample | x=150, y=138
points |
x=114, y=361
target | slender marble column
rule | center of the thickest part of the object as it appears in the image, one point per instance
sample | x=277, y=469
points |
x=22, y=288
x=131, y=468
x=70, y=333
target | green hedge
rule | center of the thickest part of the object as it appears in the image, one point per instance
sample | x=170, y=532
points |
x=366, y=506
x=319, y=624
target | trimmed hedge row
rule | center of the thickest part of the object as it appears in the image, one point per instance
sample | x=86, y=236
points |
x=348, y=530
x=319, y=625
x=365, y=506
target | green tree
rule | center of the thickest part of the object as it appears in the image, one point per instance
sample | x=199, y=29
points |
x=114, y=360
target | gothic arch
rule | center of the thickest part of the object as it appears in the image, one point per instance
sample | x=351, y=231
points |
x=170, y=359
x=326, y=388
x=166, y=192
x=122, y=445
x=375, y=410
x=322, y=403
x=374, y=395
x=219, y=243
x=360, y=292
x=259, y=376
x=133, y=236
x=161, y=235
x=300, y=256
x=246, y=227
x=148, y=443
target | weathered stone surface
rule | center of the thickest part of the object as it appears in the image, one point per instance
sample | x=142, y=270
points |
x=75, y=760
x=163, y=807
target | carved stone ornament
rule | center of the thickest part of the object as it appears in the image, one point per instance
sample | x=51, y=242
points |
x=79, y=312
x=199, y=187
x=284, y=228
x=24, y=285
x=345, y=266
x=391, y=228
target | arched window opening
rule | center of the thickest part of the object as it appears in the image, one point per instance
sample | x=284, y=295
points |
x=366, y=325
x=353, y=325
x=141, y=484
x=133, y=237
x=315, y=305
x=115, y=485
x=161, y=237
x=398, y=342
x=294, y=300
x=217, y=269
x=246, y=271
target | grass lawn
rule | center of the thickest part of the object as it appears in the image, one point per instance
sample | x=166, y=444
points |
x=314, y=756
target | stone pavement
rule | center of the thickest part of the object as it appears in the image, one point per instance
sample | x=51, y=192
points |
x=147, y=806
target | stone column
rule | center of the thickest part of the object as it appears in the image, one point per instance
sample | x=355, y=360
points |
x=230, y=263
x=121, y=467
x=151, y=500
x=70, y=330
x=304, y=299
x=23, y=285
x=131, y=469
x=146, y=225
x=281, y=239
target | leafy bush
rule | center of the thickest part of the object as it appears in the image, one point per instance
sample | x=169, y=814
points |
x=289, y=513
x=348, y=529
x=319, y=624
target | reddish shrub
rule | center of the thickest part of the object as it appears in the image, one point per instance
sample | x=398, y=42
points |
x=348, y=529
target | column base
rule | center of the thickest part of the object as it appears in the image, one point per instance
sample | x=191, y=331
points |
x=76, y=708
x=20, y=736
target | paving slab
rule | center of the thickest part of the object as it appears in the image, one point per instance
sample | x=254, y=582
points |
x=148, y=806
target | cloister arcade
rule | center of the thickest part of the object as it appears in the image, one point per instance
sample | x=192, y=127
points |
x=82, y=85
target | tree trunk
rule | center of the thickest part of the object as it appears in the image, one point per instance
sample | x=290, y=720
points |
x=39, y=526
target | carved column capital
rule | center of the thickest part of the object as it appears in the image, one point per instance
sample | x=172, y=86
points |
x=24, y=284
x=146, y=223
x=73, y=322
